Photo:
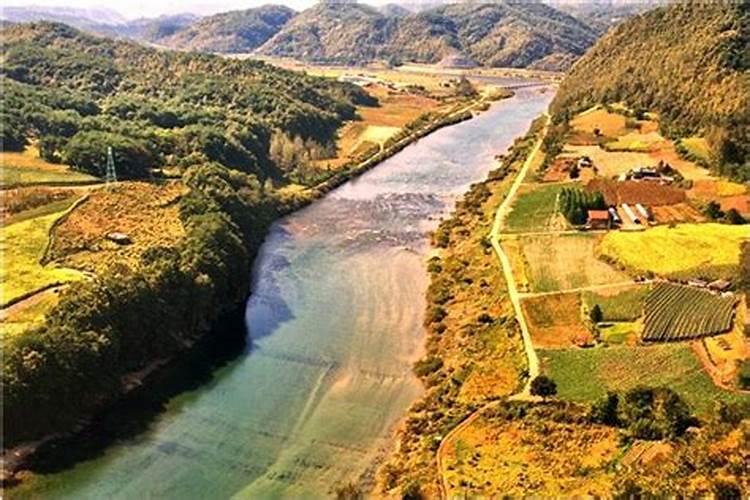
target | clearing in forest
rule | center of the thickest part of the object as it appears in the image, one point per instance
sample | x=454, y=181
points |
x=148, y=214
x=682, y=252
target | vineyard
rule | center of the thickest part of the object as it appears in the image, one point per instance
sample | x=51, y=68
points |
x=677, y=312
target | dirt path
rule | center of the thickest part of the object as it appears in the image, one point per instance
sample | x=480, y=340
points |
x=589, y=288
x=533, y=359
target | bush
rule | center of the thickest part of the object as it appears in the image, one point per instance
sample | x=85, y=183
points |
x=543, y=386
x=428, y=365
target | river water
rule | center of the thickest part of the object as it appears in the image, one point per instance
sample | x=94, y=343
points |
x=334, y=326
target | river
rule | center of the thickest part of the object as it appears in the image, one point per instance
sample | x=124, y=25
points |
x=335, y=323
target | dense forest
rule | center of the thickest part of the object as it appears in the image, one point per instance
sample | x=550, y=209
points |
x=76, y=93
x=212, y=121
x=493, y=34
x=690, y=62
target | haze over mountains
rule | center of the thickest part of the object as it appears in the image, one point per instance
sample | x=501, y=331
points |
x=506, y=33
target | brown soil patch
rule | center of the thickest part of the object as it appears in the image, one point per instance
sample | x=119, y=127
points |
x=147, y=213
x=555, y=321
x=680, y=212
x=647, y=193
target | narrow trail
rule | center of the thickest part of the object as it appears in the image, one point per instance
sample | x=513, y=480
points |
x=590, y=288
x=533, y=359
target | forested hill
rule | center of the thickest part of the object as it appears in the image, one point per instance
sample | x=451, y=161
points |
x=73, y=92
x=231, y=32
x=690, y=62
x=516, y=34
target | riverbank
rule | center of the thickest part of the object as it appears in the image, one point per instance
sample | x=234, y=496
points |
x=21, y=455
x=475, y=353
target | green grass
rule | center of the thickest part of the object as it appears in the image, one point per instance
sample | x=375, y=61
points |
x=618, y=332
x=26, y=176
x=22, y=245
x=533, y=209
x=584, y=375
x=626, y=305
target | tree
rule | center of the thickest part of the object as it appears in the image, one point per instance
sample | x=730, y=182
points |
x=604, y=411
x=543, y=386
x=464, y=88
x=713, y=211
x=596, y=314
x=732, y=216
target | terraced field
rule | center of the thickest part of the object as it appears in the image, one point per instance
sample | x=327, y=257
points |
x=677, y=312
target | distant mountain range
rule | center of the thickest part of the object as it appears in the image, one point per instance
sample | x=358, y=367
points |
x=507, y=33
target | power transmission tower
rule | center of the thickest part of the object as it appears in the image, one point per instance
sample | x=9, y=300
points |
x=110, y=177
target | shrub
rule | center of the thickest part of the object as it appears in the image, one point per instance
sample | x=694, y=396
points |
x=543, y=386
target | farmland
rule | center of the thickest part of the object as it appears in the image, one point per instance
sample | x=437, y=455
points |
x=649, y=193
x=27, y=168
x=618, y=304
x=555, y=321
x=565, y=261
x=585, y=375
x=23, y=245
x=535, y=209
x=676, y=312
x=683, y=251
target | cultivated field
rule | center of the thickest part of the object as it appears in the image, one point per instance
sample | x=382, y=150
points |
x=22, y=245
x=535, y=209
x=677, y=213
x=586, y=375
x=27, y=168
x=676, y=312
x=608, y=124
x=680, y=252
x=648, y=193
x=618, y=304
x=555, y=321
x=609, y=163
x=566, y=261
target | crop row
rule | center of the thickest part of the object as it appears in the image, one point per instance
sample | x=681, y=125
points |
x=677, y=312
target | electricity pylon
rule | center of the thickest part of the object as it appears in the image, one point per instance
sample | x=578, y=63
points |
x=110, y=177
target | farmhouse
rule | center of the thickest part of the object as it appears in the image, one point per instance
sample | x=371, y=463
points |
x=598, y=219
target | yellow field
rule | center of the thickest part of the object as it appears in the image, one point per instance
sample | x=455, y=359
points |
x=697, y=146
x=609, y=124
x=609, y=163
x=665, y=250
x=636, y=141
x=27, y=167
x=22, y=245
x=538, y=457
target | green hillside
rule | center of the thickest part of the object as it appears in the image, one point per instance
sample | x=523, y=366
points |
x=689, y=62
x=74, y=91
x=231, y=32
x=495, y=34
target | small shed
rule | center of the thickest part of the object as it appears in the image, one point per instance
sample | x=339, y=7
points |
x=720, y=285
x=598, y=219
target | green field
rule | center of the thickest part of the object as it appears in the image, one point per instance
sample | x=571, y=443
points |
x=585, y=375
x=25, y=176
x=534, y=208
x=620, y=305
x=22, y=245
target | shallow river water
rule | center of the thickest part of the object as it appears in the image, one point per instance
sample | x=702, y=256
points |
x=334, y=326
